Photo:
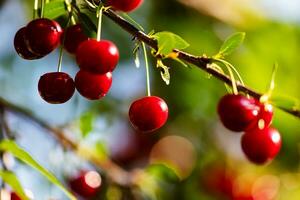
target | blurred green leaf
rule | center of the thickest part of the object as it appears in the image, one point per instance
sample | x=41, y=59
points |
x=231, y=44
x=54, y=9
x=86, y=123
x=167, y=41
x=13, y=148
x=87, y=24
x=101, y=150
x=11, y=179
x=286, y=103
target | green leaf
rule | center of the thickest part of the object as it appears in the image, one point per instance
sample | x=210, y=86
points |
x=231, y=44
x=168, y=41
x=165, y=74
x=54, y=9
x=13, y=148
x=11, y=179
x=86, y=123
x=286, y=103
x=89, y=28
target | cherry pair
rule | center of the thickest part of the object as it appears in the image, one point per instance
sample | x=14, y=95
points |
x=37, y=39
x=260, y=142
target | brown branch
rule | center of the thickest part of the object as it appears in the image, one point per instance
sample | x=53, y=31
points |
x=198, y=61
x=114, y=172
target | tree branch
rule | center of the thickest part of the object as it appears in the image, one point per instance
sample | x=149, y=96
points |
x=198, y=61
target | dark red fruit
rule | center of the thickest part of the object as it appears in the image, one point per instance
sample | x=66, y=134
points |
x=124, y=5
x=21, y=46
x=73, y=37
x=97, y=56
x=87, y=184
x=148, y=113
x=261, y=145
x=43, y=36
x=238, y=112
x=56, y=87
x=14, y=196
x=93, y=86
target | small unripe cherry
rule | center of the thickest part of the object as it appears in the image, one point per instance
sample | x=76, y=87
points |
x=124, y=5
x=86, y=184
x=148, y=113
x=21, y=46
x=43, y=36
x=238, y=112
x=73, y=37
x=97, y=56
x=93, y=86
x=56, y=87
x=261, y=145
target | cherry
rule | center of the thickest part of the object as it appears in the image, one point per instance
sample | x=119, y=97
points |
x=56, y=87
x=125, y=5
x=148, y=113
x=43, y=36
x=97, y=56
x=21, y=46
x=93, y=86
x=73, y=37
x=238, y=112
x=86, y=184
x=261, y=145
x=14, y=196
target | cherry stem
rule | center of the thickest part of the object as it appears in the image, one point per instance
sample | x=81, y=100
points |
x=147, y=69
x=70, y=10
x=35, y=8
x=42, y=8
x=99, y=15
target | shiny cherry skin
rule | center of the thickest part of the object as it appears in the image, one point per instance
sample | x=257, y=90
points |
x=86, y=184
x=97, y=56
x=14, y=196
x=56, y=87
x=73, y=37
x=43, y=36
x=148, y=113
x=124, y=5
x=93, y=86
x=261, y=145
x=237, y=112
x=21, y=46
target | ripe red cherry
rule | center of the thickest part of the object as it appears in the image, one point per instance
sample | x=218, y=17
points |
x=97, y=56
x=237, y=112
x=148, y=113
x=21, y=46
x=56, y=87
x=73, y=37
x=261, y=145
x=14, y=196
x=93, y=86
x=43, y=36
x=125, y=5
x=86, y=184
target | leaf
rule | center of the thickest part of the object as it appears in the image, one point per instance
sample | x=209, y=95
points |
x=13, y=148
x=126, y=16
x=165, y=74
x=87, y=24
x=54, y=9
x=101, y=150
x=86, y=123
x=286, y=103
x=231, y=44
x=11, y=179
x=168, y=41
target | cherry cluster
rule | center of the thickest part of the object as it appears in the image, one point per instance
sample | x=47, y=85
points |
x=260, y=142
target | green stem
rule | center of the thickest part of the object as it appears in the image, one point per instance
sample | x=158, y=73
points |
x=42, y=8
x=70, y=11
x=35, y=8
x=100, y=14
x=147, y=69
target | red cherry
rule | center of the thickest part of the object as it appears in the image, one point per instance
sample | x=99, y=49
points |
x=125, y=5
x=148, y=113
x=56, y=87
x=237, y=112
x=14, y=196
x=43, y=36
x=97, y=56
x=93, y=86
x=87, y=184
x=261, y=145
x=21, y=46
x=73, y=37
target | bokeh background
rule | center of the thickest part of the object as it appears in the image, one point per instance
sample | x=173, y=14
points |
x=200, y=158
